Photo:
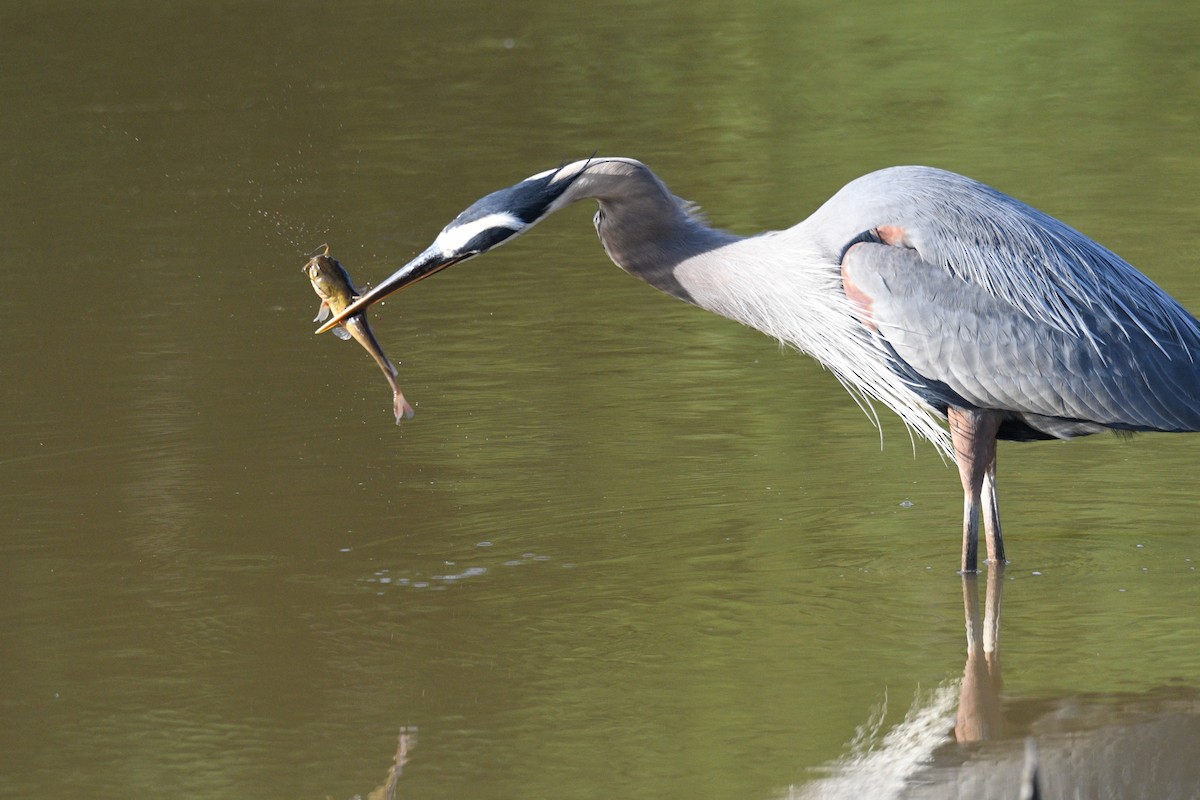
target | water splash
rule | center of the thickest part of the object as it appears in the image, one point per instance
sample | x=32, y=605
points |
x=879, y=765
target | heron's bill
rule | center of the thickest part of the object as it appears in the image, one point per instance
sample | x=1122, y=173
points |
x=422, y=266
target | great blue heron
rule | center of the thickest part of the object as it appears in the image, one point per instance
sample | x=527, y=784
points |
x=938, y=296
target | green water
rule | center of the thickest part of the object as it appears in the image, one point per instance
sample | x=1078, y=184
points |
x=625, y=549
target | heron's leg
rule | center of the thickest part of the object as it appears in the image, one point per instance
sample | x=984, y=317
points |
x=970, y=544
x=991, y=515
x=973, y=433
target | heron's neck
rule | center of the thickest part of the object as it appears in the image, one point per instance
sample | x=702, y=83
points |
x=786, y=283
x=646, y=230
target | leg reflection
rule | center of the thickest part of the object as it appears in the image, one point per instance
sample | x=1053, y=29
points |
x=979, y=716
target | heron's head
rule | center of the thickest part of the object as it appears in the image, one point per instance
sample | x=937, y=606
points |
x=486, y=224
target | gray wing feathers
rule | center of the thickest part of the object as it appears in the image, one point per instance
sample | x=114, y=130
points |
x=1011, y=250
x=1118, y=363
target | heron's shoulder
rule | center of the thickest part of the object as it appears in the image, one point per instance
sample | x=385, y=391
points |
x=915, y=183
x=936, y=203
x=1011, y=250
x=916, y=172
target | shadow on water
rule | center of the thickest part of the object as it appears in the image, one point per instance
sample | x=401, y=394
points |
x=1141, y=745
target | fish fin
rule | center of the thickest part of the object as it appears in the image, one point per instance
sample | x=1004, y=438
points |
x=402, y=409
x=341, y=332
x=323, y=312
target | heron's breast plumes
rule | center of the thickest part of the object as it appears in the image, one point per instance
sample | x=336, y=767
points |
x=791, y=289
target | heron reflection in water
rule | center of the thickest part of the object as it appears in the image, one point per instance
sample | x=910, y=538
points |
x=938, y=296
x=967, y=738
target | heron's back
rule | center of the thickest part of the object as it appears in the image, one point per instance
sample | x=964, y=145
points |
x=992, y=303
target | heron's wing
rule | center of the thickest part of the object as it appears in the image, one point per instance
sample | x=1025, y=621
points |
x=1012, y=251
x=961, y=341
